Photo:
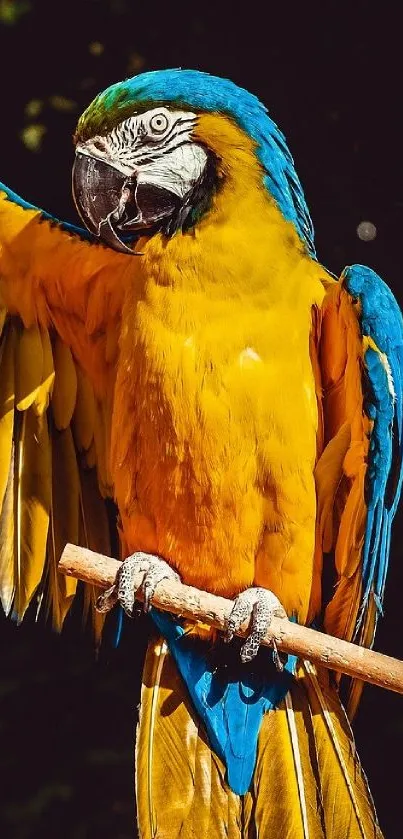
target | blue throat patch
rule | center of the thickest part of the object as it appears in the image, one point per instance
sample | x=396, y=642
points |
x=212, y=94
x=231, y=703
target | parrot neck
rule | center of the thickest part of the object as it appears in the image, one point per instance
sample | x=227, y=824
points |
x=242, y=249
x=243, y=246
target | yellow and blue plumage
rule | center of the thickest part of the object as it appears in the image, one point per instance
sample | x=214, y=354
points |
x=242, y=406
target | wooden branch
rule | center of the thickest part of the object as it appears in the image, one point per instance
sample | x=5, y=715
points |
x=195, y=605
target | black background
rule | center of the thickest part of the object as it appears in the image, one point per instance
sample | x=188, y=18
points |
x=330, y=74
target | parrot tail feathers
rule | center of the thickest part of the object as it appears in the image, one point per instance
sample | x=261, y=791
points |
x=299, y=772
x=307, y=782
x=180, y=786
x=348, y=807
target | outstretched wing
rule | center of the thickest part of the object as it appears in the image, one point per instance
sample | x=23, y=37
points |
x=359, y=474
x=61, y=301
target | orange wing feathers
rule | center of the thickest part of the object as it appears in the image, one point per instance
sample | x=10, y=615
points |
x=340, y=472
x=57, y=366
x=52, y=278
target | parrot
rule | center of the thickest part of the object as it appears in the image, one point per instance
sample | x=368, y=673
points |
x=186, y=354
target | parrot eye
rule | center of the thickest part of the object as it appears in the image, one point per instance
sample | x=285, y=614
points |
x=158, y=123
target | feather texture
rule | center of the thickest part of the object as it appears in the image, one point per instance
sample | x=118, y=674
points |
x=29, y=366
x=7, y=402
x=350, y=810
x=308, y=783
x=44, y=391
x=93, y=534
x=32, y=500
x=297, y=762
x=359, y=475
x=84, y=412
x=65, y=518
x=179, y=780
x=65, y=389
x=49, y=302
x=7, y=541
x=46, y=499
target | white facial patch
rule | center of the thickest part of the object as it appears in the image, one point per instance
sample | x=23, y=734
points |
x=177, y=171
x=156, y=147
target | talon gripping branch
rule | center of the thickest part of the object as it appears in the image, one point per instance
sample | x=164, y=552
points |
x=243, y=408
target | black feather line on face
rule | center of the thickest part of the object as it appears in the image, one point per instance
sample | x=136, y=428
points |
x=97, y=120
x=198, y=201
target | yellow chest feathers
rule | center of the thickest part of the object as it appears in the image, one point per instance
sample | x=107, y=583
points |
x=212, y=388
x=215, y=407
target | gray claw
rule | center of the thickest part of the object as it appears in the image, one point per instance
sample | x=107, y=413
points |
x=148, y=591
x=153, y=568
x=260, y=605
x=279, y=665
x=107, y=600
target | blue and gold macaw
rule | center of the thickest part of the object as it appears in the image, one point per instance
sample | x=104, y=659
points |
x=190, y=357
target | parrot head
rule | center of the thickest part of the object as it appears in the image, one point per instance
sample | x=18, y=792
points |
x=152, y=153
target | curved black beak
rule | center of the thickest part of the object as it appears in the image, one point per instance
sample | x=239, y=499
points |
x=100, y=193
x=110, y=202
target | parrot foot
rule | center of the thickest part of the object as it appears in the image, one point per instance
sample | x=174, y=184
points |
x=153, y=568
x=261, y=605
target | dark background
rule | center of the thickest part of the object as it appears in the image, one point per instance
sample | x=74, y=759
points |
x=330, y=74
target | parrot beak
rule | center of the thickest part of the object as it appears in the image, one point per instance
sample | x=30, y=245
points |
x=110, y=202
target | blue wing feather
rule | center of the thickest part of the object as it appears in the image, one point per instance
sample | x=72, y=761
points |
x=381, y=321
